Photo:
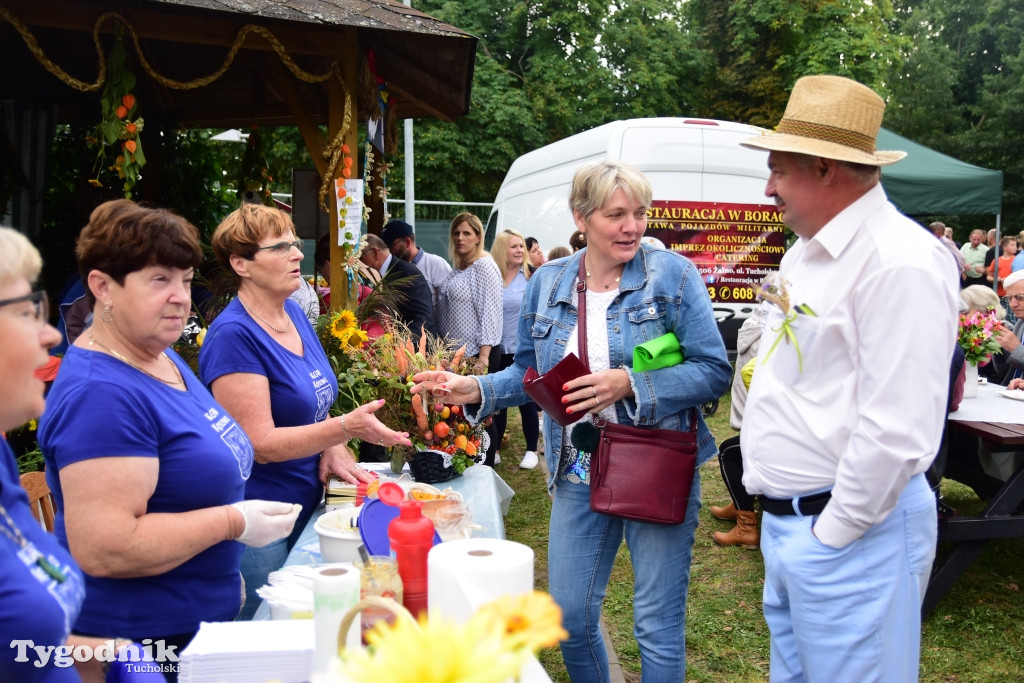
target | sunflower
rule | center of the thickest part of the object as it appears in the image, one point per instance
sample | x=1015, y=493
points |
x=342, y=324
x=356, y=339
x=527, y=621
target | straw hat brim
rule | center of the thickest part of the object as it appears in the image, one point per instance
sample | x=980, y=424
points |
x=784, y=142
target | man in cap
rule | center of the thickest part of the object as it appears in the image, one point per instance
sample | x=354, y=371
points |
x=401, y=240
x=846, y=407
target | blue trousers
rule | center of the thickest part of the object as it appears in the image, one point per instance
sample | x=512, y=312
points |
x=581, y=551
x=853, y=613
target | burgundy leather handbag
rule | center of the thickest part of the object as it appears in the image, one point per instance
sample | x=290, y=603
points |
x=644, y=475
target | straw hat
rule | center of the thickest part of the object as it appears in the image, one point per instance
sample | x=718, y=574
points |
x=830, y=117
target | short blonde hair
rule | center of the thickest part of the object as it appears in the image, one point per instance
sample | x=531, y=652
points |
x=476, y=226
x=594, y=184
x=499, y=252
x=242, y=231
x=982, y=298
x=18, y=258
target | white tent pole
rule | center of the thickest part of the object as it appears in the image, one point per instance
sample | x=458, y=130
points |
x=995, y=261
x=410, y=172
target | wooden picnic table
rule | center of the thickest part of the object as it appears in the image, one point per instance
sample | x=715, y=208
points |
x=1001, y=517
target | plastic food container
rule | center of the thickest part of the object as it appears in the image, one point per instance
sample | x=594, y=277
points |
x=339, y=535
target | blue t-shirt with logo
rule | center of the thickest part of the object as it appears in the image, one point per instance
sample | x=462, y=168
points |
x=35, y=604
x=101, y=407
x=302, y=391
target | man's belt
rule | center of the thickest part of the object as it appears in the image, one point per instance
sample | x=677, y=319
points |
x=802, y=505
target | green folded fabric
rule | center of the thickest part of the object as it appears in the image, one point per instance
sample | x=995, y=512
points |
x=663, y=352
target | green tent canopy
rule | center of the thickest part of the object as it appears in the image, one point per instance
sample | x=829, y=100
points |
x=927, y=182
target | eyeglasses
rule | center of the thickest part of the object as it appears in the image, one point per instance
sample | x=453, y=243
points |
x=40, y=309
x=1019, y=298
x=282, y=249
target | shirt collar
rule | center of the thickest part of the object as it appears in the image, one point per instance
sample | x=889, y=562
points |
x=840, y=231
x=386, y=266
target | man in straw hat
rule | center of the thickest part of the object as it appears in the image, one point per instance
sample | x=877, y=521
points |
x=847, y=404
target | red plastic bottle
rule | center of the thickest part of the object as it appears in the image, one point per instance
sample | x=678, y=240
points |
x=411, y=536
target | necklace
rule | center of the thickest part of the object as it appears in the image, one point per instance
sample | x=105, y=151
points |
x=265, y=322
x=11, y=531
x=615, y=281
x=115, y=354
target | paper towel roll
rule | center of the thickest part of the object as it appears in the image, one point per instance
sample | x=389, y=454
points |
x=335, y=590
x=464, y=574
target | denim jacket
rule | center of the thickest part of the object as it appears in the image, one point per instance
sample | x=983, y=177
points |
x=660, y=291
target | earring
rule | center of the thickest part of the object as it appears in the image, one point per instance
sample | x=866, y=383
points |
x=108, y=315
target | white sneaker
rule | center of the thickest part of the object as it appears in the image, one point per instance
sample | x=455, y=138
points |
x=529, y=461
x=497, y=457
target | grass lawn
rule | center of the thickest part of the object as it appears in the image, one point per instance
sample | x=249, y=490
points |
x=975, y=634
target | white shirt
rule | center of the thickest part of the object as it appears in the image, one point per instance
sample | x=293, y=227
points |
x=470, y=306
x=866, y=412
x=435, y=271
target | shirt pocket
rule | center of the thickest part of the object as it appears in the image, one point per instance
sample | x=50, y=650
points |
x=789, y=359
x=647, y=322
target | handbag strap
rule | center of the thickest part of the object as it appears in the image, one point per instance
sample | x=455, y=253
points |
x=581, y=312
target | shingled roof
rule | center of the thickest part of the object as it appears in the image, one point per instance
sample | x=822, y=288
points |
x=428, y=64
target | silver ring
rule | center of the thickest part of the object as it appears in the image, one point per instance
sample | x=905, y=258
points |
x=380, y=442
x=597, y=401
x=594, y=389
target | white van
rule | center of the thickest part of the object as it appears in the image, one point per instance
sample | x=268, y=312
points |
x=709, y=201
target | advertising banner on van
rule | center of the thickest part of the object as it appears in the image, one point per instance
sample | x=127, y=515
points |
x=733, y=245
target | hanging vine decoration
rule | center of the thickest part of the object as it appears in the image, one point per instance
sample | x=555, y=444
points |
x=117, y=127
x=37, y=51
x=334, y=152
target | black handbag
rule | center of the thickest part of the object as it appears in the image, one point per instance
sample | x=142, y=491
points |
x=644, y=475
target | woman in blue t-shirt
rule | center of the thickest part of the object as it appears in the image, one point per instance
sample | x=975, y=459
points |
x=147, y=469
x=41, y=587
x=263, y=362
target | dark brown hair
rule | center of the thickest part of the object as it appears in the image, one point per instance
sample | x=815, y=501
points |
x=123, y=237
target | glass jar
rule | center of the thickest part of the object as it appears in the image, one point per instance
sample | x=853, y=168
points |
x=378, y=578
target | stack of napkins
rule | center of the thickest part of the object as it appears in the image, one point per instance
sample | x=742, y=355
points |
x=250, y=652
x=340, y=493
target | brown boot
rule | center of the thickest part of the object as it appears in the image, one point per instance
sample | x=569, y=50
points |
x=728, y=513
x=744, y=534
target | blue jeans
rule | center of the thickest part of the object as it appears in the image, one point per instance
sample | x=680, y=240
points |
x=581, y=550
x=852, y=613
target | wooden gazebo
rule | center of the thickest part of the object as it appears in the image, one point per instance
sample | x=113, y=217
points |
x=235, y=63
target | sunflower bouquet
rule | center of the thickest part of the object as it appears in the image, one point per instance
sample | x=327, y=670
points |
x=493, y=645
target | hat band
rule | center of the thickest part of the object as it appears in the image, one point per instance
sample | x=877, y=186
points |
x=818, y=131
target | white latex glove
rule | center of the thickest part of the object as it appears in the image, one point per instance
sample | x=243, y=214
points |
x=266, y=521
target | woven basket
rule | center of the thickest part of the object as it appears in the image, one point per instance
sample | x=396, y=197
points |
x=431, y=467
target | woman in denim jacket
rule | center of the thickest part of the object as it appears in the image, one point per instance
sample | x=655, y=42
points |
x=634, y=294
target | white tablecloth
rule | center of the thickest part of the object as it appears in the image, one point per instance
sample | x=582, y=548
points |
x=989, y=406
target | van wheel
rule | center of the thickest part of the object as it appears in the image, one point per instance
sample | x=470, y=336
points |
x=709, y=408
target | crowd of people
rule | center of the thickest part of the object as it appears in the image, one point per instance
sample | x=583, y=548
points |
x=178, y=494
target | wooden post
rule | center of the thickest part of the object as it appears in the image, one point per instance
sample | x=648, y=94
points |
x=343, y=293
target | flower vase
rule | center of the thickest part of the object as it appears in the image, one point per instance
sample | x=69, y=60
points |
x=970, y=380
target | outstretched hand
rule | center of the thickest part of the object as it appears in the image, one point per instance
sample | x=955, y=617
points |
x=447, y=386
x=361, y=423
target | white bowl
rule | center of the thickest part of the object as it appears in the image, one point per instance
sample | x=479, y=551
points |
x=339, y=535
